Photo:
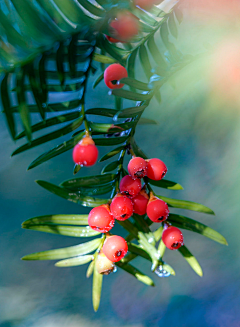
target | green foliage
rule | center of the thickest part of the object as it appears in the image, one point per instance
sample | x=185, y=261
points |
x=72, y=262
x=72, y=251
x=191, y=260
x=136, y=273
x=96, y=288
x=188, y=205
x=49, y=49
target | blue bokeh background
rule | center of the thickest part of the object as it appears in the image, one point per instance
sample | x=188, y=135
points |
x=199, y=139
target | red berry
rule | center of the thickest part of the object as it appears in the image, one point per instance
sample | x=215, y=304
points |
x=137, y=167
x=112, y=40
x=100, y=219
x=125, y=26
x=140, y=202
x=144, y=4
x=121, y=207
x=157, y=210
x=156, y=169
x=85, y=153
x=115, y=248
x=130, y=186
x=113, y=74
x=172, y=237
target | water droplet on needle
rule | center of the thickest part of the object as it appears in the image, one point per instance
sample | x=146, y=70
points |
x=161, y=272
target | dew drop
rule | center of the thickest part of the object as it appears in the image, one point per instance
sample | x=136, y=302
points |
x=108, y=135
x=115, y=269
x=161, y=272
x=150, y=240
x=123, y=133
x=115, y=118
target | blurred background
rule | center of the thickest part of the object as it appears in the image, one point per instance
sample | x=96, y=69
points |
x=198, y=137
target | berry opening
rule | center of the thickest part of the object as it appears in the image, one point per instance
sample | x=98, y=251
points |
x=175, y=244
x=118, y=253
x=164, y=173
x=139, y=174
x=114, y=82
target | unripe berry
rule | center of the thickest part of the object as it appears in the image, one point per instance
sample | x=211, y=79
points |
x=144, y=4
x=113, y=74
x=125, y=26
x=156, y=169
x=130, y=186
x=172, y=237
x=104, y=265
x=115, y=248
x=137, y=167
x=121, y=207
x=140, y=202
x=157, y=210
x=85, y=153
x=100, y=219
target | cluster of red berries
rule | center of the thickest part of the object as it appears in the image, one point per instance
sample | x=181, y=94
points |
x=132, y=198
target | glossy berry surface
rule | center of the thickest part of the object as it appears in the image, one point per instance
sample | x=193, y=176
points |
x=85, y=153
x=144, y=4
x=121, y=207
x=157, y=210
x=140, y=202
x=137, y=167
x=125, y=26
x=113, y=74
x=172, y=237
x=115, y=248
x=130, y=186
x=156, y=169
x=100, y=219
